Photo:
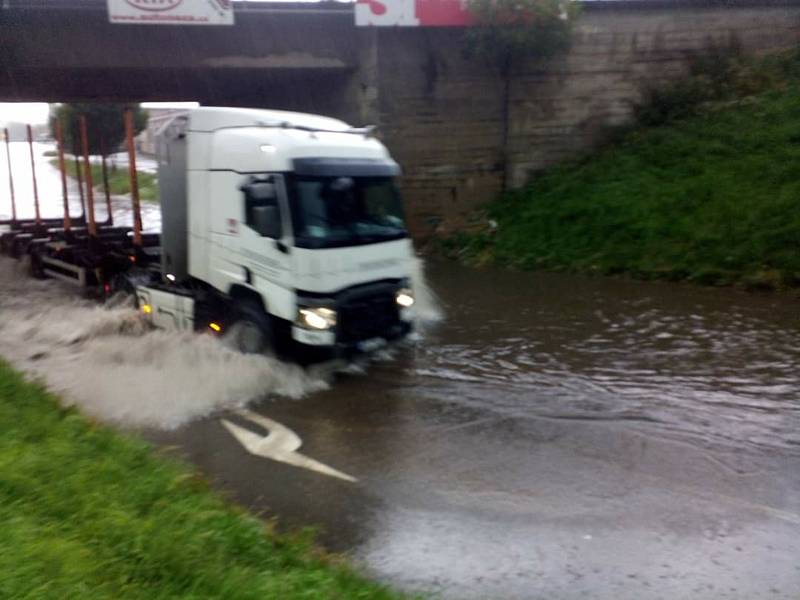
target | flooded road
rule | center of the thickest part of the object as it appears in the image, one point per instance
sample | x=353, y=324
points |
x=555, y=437
x=717, y=367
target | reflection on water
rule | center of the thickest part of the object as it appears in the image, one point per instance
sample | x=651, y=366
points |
x=720, y=366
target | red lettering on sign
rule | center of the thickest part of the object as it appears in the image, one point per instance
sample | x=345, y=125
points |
x=154, y=5
x=443, y=13
x=413, y=13
x=377, y=8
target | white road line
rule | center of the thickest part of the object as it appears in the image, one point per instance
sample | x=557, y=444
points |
x=280, y=444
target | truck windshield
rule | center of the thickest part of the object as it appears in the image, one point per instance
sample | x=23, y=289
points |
x=330, y=212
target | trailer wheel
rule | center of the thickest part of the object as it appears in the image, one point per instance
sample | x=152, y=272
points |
x=250, y=330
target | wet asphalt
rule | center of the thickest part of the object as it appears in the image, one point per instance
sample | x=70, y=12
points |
x=556, y=437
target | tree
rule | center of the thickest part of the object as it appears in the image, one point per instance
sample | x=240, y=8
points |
x=510, y=31
x=105, y=125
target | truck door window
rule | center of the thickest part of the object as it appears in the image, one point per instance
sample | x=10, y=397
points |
x=262, y=213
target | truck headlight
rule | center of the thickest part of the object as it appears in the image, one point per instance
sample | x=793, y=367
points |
x=405, y=298
x=317, y=318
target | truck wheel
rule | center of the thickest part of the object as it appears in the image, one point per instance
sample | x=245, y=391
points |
x=251, y=330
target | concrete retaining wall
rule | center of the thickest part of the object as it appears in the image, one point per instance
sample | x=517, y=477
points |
x=442, y=115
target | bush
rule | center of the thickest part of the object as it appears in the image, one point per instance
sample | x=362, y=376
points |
x=716, y=74
x=518, y=29
x=710, y=199
x=678, y=101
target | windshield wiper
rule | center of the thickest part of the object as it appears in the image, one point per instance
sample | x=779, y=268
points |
x=375, y=221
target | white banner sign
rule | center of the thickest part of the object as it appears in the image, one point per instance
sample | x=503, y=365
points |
x=412, y=13
x=171, y=12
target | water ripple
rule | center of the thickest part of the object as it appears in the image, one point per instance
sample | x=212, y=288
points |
x=719, y=366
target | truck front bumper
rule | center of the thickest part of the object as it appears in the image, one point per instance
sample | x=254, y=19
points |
x=328, y=340
x=312, y=337
x=360, y=319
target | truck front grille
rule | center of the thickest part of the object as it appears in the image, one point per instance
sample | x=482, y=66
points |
x=368, y=317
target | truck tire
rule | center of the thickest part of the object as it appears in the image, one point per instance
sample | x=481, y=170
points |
x=250, y=330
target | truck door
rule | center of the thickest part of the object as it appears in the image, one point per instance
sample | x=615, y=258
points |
x=265, y=242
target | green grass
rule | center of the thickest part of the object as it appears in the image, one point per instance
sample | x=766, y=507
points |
x=89, y=513
x=118, y=180
x=713, y=198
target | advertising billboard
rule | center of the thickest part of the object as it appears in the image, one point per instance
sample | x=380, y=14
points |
x=412, y=13
x=171, y=12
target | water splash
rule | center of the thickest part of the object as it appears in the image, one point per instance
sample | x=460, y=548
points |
x=110, y=364
x=428, y=307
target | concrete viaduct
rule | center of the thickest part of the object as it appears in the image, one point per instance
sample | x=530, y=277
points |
x=440, y=114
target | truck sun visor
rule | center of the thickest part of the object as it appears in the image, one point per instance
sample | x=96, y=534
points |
x=332, y=167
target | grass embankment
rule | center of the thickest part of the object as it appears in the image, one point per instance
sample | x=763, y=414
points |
x=712, y=198
x=118, y=180
x=88, y=513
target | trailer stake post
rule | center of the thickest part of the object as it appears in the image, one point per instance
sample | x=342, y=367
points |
x=79, y=177
x=63, y=168
x=88, y=176
x=11, y=179
x=109, y=214
x=137, y=210
x=33, y=172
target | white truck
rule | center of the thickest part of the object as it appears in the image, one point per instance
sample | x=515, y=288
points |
x=280, y=230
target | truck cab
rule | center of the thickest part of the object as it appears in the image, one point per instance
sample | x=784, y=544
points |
x=280, y=230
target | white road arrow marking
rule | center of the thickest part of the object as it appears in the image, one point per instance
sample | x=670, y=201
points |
x=280, y=444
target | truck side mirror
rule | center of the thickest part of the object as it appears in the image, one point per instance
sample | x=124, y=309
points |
x=261, y=191
x=267, y=221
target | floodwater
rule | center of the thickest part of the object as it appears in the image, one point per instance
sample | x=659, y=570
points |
x=720, y=368
x=553, y=437
x=105, y=360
